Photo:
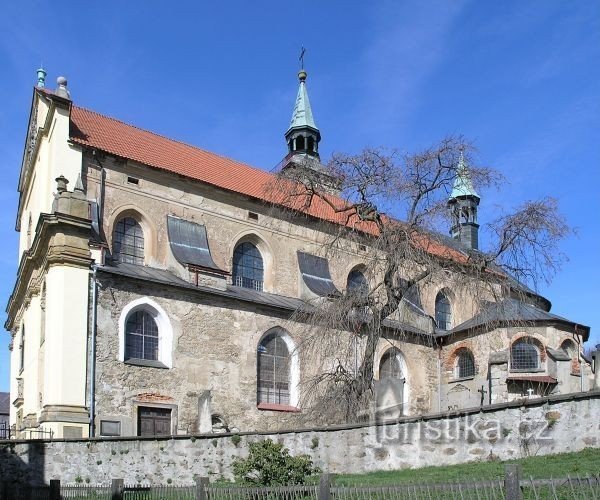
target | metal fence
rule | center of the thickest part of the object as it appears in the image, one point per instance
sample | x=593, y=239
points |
x=511, y=487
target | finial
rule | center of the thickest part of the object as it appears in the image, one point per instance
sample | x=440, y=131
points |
x=61, y=184
x=302, y=75
x=79, y=184
x=41, y=77
x=62, y=91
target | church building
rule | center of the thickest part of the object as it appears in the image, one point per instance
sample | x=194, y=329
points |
x=157, y=284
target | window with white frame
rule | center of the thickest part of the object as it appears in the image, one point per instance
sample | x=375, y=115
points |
x=389, y=366
x=145, y=334
x=274, y=375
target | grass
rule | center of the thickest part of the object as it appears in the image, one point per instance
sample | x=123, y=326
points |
x=543, y=467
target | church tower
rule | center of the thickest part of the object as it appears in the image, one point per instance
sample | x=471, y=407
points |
x=303, y=136
x=463, y=204
x=302, y=161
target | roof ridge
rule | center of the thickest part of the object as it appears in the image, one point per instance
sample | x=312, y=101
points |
x=170, y=139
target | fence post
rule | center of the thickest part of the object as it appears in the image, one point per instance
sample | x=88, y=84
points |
x=54, y=489
x=116, y=489
x=512, y=477
x=201, y=484
x=325, y=486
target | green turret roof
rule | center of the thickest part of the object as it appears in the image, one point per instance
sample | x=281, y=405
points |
x=463, y=186
x=302, y=115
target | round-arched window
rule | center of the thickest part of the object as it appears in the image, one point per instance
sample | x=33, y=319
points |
x=524, y=355
x=141, y=336
x=389, y=366
x=357, y=283
x=465, y=364
x=128, y=241
x=248, y=267
x=443, y=311
x=274, y=374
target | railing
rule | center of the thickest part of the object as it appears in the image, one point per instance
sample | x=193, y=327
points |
x=247, y=283
x=511, y=487
x=8, y=432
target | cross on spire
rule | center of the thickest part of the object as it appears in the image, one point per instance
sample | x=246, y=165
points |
x=301, y=58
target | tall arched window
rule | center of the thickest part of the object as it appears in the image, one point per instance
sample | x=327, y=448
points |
x=524, y=355
x=389, y=366
x=128, y=241
x=465, y=364
x=248, y=268
x=357, y=283
x=274, y=374
x=141, y=336
x=443, y=311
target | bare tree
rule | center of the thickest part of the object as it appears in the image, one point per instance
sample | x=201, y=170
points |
x=396, y=204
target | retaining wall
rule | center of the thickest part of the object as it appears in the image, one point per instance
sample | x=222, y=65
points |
x=549, y=425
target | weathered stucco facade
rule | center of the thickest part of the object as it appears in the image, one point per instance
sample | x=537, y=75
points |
x=70, y=314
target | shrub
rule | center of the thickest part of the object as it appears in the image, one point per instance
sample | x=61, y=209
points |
x=270, y=464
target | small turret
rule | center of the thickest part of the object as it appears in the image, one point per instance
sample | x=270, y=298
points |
x=303, y=136
x=463, y=203
x=41, y=77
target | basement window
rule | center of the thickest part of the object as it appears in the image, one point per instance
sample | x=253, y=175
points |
x=110, y=428
x=252, y=216
x=133, y=180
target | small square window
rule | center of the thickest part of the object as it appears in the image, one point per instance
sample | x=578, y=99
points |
x=362, y=248
x=110, y=428
x=133, y=180
x=252, y=216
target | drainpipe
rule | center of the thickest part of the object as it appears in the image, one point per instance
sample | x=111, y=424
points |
x=439, y=367
x=93, y=352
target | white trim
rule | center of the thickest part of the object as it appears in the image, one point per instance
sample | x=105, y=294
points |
x=404, y=370
x=294, y=365
x=165, y=331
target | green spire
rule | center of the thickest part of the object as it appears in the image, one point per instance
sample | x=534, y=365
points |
x=463, y=186
x=302, y=115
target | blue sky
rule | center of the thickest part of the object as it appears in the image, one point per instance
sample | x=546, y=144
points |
x=520, y=79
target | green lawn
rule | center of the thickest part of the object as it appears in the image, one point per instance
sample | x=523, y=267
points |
x=558, y=466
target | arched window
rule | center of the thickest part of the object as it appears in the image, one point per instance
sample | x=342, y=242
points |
x=128, y=241
x=569, y=347
x=389, y=366
x=524, y=355
x=299, y=143
x=443, y=312
x=141, y=336
x=274, y=370
x=310, y=144
x=248, y=268
x=465, y=364
x=357, y=283
x=145, y=334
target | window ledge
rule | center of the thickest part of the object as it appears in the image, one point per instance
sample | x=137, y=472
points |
x=462, y=379
x=277, y=407
x=145, y=362
x=539, y=370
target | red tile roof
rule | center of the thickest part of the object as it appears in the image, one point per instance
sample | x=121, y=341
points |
x=92, y=129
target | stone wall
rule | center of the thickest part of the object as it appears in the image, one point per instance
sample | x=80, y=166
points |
x=512, y=430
